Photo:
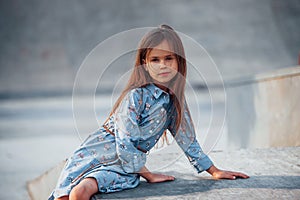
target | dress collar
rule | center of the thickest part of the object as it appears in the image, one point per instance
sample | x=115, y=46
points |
x=156, y=91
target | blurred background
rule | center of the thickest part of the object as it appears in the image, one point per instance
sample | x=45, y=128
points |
x=43, y=44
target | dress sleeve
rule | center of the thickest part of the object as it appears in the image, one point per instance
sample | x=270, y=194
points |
x=186, y=139
x=127, y=132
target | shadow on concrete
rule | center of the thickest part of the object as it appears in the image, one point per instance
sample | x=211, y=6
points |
x=183, y=186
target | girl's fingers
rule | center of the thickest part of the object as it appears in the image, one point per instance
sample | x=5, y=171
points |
x=161, y=178
x=243, y=175
x=238, y=174
x=170, y=178
x=229, y=175
x=222, y=174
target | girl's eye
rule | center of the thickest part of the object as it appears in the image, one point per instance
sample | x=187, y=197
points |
x=154, y=60
x=169, y=58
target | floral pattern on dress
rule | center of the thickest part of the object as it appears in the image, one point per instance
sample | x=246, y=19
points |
x=115, y=153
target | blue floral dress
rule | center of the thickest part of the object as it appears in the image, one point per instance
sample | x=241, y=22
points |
x=115, y=153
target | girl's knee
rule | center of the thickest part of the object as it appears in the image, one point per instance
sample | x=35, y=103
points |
x=77, y=192
x=63, y=198
x=85, y=189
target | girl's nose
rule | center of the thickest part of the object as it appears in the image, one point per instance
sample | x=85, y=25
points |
x=163, y=64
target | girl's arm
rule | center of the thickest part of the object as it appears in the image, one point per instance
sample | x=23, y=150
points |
x=186, y=139
x=154, y=178
x=220, y=174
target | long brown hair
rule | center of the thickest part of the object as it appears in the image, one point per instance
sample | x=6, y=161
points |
x=140, y=77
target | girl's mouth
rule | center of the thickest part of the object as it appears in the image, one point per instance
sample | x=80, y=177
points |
x=164, y=74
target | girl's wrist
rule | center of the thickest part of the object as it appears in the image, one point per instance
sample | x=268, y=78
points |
x=146, y=175
x=212, y=170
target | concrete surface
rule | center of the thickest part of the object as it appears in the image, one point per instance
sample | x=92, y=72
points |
x=274, y=174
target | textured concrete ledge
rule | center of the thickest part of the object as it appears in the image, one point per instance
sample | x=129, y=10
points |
x=275, y=174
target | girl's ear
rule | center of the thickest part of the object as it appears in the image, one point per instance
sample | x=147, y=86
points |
x=145, y=65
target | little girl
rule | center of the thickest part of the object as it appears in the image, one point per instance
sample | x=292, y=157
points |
x=113, y=158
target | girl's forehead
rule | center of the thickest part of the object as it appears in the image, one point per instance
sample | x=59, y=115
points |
x=162, y=49
x=159, y=53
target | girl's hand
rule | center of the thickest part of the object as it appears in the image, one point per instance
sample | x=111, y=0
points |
x=157, y=178
x=154, y=178
x=222, y=174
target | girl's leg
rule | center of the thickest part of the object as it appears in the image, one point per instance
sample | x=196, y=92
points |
x=84, y=190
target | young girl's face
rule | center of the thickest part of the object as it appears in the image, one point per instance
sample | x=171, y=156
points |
x=161, y=63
